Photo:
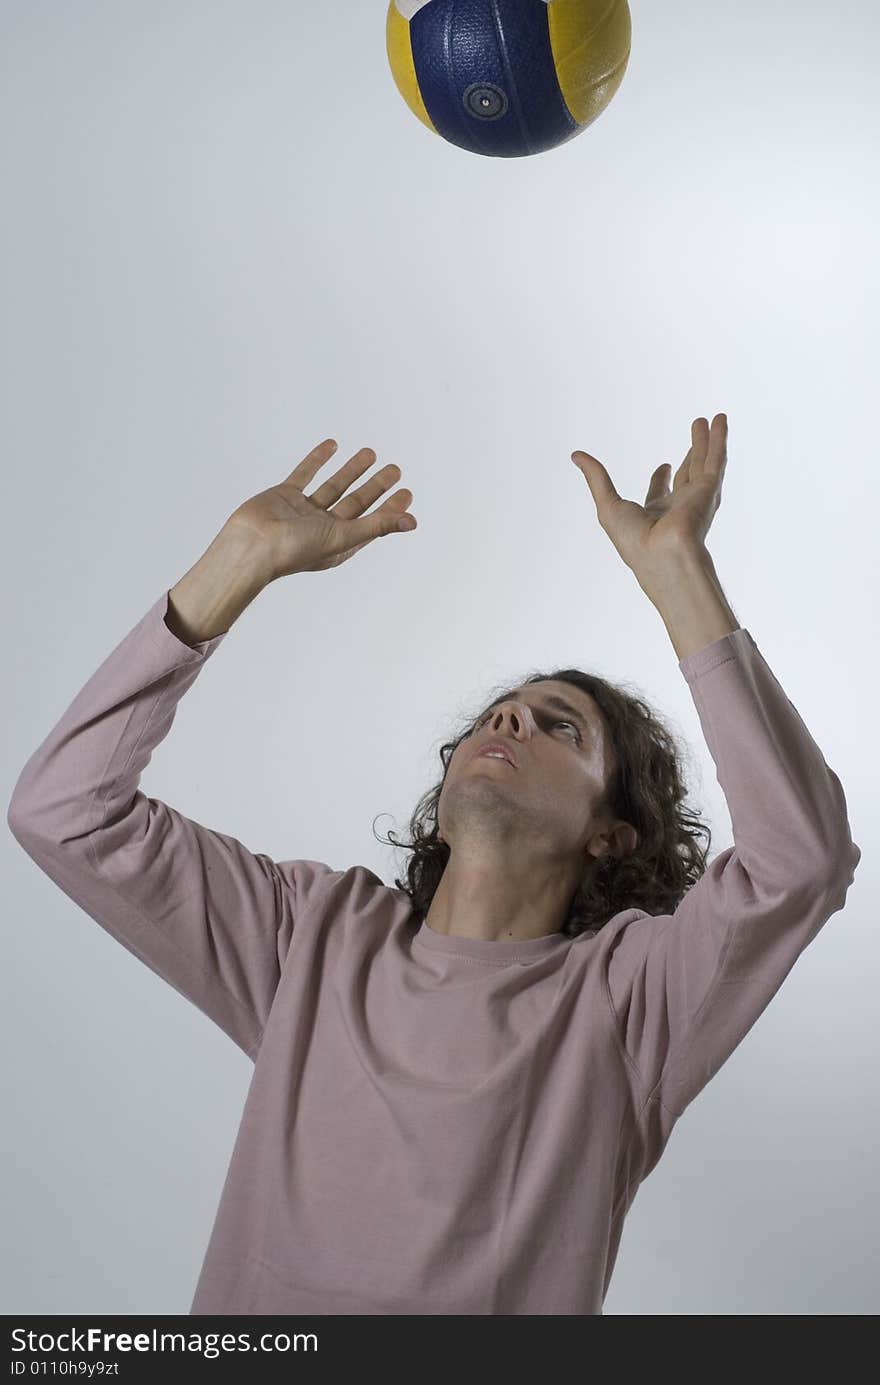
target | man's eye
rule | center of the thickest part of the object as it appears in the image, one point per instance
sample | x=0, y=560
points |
x=484, y=718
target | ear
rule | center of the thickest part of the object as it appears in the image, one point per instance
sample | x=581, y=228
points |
x=624, y=840
x=619, y=841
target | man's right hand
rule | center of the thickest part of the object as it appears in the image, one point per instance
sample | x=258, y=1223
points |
x=301, y=533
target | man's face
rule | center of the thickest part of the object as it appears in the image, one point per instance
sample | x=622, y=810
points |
x=562, y=756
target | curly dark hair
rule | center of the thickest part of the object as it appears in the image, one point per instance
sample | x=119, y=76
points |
x=646, y=788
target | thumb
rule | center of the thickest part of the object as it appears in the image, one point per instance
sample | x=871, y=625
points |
x=600, y=483
x=382, y=522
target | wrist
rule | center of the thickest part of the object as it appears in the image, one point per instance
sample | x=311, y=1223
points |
x=245, y=553
x=691, y=602
x=675, y=573
x=217, y=588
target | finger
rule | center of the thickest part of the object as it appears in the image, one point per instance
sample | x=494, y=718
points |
x=337, y=484
x=304, y=472
x=365, y=495
x=659, y=483
x=716, y=458
x=390, y=518
x=398, y=517
x=708, y=447
x=691, y=462
x=600, y=483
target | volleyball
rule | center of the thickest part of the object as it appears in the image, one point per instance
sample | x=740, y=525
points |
x=508, y=77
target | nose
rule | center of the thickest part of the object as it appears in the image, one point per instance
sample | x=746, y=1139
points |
x=514, y=716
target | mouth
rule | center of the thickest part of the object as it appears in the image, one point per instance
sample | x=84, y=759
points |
x=498, y=752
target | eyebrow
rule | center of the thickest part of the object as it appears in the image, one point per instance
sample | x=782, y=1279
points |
x=554, y=702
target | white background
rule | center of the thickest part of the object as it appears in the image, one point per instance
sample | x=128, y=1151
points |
x=225, y=238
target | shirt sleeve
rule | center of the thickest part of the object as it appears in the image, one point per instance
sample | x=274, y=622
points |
x=210, y=917
x=686, y=987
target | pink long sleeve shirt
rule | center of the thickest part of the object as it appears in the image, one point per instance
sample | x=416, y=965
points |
x=436, y=1124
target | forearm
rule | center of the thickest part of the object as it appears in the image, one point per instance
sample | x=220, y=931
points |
x=215, y=591
x=691, y=603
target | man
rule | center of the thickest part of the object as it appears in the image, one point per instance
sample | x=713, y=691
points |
x=451, y=1111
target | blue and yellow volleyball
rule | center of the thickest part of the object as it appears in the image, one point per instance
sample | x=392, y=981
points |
x=508, y=77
